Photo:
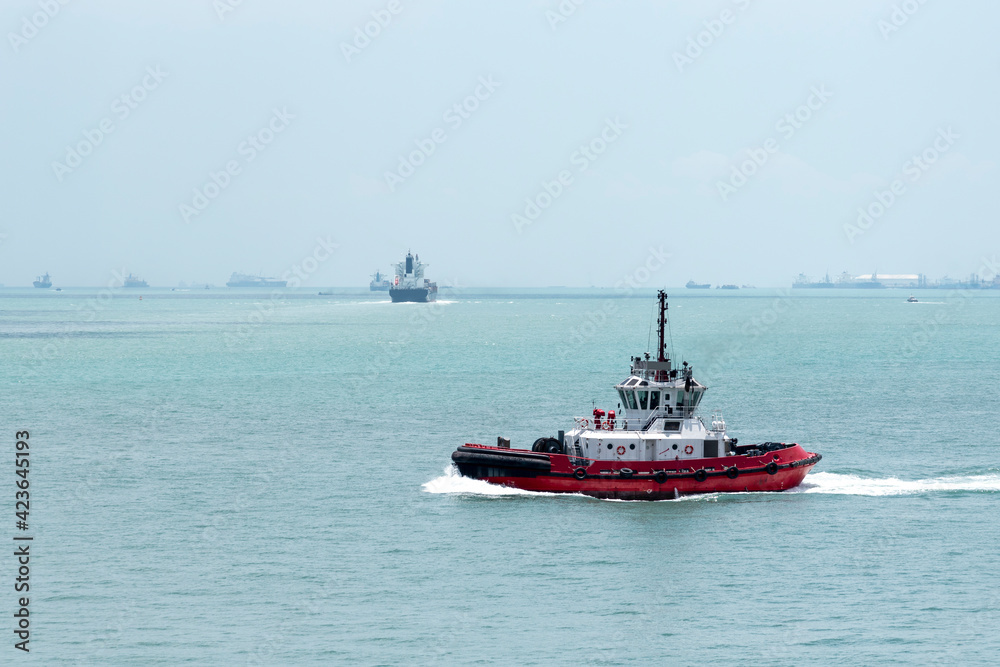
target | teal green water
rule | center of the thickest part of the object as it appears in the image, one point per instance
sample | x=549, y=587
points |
x=231, y=480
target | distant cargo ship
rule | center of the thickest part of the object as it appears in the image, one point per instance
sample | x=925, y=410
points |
x=244, y=280
x=693, y=285
x=43, y=281
x=409, y=285
x=730, y=287
x=803, y=282
x=135, y=281
x=379, y=283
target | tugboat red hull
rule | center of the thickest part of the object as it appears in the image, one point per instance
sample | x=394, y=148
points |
x=635, y=480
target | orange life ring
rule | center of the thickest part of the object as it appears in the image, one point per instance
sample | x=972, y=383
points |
x=585, y=423
x=689, y=450
x=621, y=450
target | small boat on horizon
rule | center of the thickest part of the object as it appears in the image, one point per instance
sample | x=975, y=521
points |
x=912, y=299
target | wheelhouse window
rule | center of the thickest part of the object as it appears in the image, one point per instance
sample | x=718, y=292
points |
x=643, y=399
x=654, y=400
x=630, y=395
x=621, y=395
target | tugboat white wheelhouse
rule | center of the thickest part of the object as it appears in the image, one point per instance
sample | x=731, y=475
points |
x=656, y=448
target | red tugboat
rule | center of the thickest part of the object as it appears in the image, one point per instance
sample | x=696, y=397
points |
x=655, y=449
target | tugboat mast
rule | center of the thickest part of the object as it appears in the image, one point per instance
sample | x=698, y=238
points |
x=661, y=375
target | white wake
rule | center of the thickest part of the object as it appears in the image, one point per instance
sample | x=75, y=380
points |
x=853, y=485
x=452, y=482
x=819, y=482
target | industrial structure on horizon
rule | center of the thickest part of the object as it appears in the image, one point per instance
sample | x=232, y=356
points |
x=895, y=281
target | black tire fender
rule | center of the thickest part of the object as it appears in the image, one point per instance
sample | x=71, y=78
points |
x=772, y=468
x=700, y=475
x=580, y=473
x=660, y=477
x=733, y=472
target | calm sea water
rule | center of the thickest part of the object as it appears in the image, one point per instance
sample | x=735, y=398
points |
x=225, y=478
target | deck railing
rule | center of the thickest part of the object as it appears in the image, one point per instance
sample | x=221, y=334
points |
x=637, y=423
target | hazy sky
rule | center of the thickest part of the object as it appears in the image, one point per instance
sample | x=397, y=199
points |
x=309, y=115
